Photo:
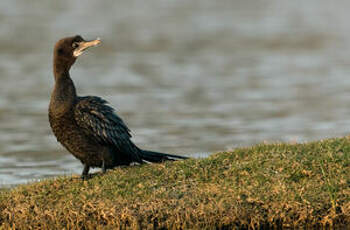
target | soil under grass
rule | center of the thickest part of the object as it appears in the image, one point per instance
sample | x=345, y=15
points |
x=264, y=186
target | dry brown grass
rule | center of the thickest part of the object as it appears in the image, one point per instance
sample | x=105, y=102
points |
x=265, y=186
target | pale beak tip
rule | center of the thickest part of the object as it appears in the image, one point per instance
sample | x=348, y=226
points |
x=98, y=41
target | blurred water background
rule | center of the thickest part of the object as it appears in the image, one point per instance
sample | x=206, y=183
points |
x=188, y=77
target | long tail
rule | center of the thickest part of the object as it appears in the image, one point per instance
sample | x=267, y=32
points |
x=158, y=157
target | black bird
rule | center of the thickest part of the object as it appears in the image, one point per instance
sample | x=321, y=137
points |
x=86, y=126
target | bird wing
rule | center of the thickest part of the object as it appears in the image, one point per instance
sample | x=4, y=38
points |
x=98, y=120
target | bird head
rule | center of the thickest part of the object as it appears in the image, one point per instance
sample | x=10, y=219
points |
x=67, y=50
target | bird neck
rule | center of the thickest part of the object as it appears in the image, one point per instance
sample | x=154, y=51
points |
x=64, y=93
x=61, y=68
x=65, y=85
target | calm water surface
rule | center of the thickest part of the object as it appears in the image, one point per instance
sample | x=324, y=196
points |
x=188, y=77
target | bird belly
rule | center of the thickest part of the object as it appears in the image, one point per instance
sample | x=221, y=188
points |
x=73, y=138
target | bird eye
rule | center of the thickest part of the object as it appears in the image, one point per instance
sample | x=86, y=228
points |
x=60, y=51
x=75, y=45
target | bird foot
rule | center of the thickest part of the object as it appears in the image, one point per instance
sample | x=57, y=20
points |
x=104, y=170
x=85, y=177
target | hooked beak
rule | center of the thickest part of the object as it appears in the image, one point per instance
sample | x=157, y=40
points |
x=84, y=45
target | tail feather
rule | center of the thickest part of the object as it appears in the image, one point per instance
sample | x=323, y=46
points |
x=159, y=157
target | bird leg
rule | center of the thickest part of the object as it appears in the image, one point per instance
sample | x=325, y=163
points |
x=103, y=167
x=85, y=173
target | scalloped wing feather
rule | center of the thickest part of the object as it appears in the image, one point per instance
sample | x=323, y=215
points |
x=100, y=121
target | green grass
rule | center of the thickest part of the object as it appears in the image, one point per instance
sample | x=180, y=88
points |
x=267, y=185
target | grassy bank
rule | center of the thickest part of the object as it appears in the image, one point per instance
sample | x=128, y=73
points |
x=273, y=185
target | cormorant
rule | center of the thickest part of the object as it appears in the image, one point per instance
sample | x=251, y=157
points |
x=86, y=126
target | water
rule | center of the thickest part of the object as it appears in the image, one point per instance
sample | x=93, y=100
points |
x=188, y=77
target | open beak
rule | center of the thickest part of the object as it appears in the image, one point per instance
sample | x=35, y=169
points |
x=84, y=45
